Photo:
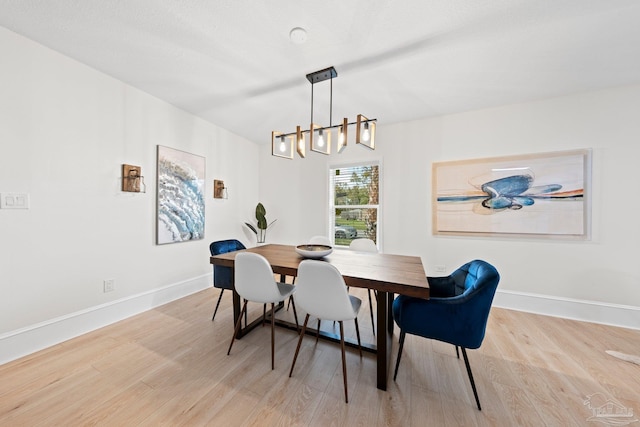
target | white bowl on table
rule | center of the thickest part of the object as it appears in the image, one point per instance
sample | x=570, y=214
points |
x=313, y=251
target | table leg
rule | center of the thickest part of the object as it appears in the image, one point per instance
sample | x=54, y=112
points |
x=390, y=297
x=384, y=337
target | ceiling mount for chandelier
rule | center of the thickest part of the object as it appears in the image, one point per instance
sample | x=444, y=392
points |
x=282, y=144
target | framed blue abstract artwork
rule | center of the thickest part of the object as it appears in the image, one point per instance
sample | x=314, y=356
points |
x=180, y=184
x=543, y=194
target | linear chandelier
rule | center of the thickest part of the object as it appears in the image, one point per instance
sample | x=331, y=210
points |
x=282, y=144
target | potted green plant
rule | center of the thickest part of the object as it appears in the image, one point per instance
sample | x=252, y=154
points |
x=260, y=229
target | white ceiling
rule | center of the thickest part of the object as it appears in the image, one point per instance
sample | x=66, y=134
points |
x=231, y=61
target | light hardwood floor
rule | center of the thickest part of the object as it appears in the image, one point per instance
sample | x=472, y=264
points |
x=169, y=366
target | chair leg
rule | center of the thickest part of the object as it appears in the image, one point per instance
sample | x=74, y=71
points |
x=264, y=314
x=373, y=325
x=473, y=384
x=344, y=362
x=457, y=352
x=402, y=335
x=217, y=305
x=273, y=330
x=235, y=332
x=295, y=314
x=358, y=335
x=295, y=356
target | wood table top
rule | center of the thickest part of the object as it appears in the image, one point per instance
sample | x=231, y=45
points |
x=398, y=274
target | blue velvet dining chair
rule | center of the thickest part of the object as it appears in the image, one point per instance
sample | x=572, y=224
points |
x=223, y=276
x=456, y=313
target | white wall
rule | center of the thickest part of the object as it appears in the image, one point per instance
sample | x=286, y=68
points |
x=65, y=131
x=600, y=271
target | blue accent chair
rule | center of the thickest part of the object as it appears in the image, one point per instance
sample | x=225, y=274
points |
x=223, y=276
x=456, y=313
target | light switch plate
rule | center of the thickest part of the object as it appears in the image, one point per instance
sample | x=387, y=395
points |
x=14, y=201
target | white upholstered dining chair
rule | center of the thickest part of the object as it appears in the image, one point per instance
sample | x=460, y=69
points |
x=254, y=282
x=322, y=293
x=363, y=245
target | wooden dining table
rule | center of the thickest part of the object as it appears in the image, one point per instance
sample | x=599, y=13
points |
x=387, y=274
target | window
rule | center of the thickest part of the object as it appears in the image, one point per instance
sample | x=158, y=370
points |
x=354, y=202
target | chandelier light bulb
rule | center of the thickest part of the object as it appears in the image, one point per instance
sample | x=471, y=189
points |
x=320, y=139
x=342, y=135
x=365, y=133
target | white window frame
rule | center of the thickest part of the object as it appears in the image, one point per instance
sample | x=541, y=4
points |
x=332, y=206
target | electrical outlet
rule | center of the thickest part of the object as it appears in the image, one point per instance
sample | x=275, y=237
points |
x=440, y=268
x=109, y=285
x=14, y=201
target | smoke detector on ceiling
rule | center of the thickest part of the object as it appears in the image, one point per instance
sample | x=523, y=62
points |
x=298, y=35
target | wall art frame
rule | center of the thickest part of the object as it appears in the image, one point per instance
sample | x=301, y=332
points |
x=180, y=196
x=543, y=194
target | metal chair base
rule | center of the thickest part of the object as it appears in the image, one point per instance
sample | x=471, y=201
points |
x=466, y=362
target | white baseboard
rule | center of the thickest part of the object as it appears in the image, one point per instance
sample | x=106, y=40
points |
x=21, y=342
x=587, y=311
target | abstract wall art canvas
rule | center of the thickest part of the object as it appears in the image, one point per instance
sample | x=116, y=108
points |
x=535, y=194
x=180, y=196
